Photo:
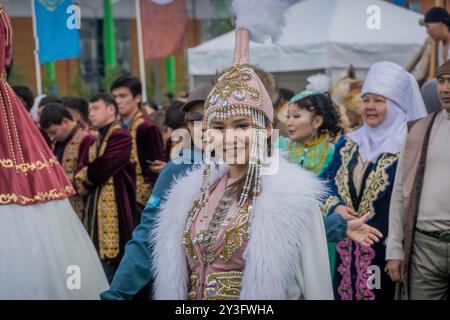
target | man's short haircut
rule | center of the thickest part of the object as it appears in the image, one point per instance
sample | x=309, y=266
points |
x=130, y=82
x=107, y=98
x=78, y=104
x=53, y=114
x=49, y=99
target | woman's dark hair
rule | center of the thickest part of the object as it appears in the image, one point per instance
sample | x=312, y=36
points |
x=322, y=105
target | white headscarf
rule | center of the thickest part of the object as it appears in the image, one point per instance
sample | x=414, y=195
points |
x=404, y=103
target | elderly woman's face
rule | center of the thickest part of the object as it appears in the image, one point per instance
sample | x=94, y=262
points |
x=374, y=109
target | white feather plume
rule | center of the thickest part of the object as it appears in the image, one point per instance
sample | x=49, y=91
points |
x=262, y=18
x=320, y=82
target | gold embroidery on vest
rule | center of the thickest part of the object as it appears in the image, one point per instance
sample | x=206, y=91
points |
x=189, y=246
x=331, y=202
x=194, y=284
x=223, y=285
x=107, y=212
x=377, y=182
x=342, y=176
x=143, y=189
x=69, y=163
x=234, y=236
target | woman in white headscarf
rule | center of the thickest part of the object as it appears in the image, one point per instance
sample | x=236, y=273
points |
x=361, y=177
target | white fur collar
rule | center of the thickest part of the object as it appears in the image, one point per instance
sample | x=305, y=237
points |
x=281, y=214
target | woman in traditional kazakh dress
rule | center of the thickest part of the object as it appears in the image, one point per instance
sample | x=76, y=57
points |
x=362, y=174
x=45, y=251
x=251, y=229
x=312, y=122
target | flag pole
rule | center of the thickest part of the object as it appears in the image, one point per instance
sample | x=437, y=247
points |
x=36, y=51
x=140, y=44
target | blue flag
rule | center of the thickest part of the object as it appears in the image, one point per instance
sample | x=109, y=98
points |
x=57, y=30
x=401, y=3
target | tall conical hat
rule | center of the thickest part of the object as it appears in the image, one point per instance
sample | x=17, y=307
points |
x=29, y=171
x=239, y=88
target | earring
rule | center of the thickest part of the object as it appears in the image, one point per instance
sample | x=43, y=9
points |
x=315, y=133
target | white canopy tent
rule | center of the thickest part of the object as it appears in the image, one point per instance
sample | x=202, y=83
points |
x=320, y=36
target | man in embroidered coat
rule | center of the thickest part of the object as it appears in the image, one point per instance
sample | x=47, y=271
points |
x=71, y=143
x=106, y=176
x=134, y=273
x=147, y=144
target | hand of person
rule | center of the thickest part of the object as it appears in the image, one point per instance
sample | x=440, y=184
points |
x=157, y=166
x=346, y=212
x=394, y=269
x=360, y=232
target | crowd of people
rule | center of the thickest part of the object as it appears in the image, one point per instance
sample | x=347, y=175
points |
x=237, y=191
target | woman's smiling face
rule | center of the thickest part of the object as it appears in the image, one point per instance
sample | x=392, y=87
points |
x=374, y=109
x=232, y=139
x=302, y=124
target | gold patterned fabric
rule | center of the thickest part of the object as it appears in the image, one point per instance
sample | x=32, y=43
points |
x=219, y=285
x=105, y=211
x=223, y=285
x=342, y=176
x=329, y=203
x=39, y=197
x=27, y=167
x=234, y=236
x=376, y=182
x=216, y=264
x=143, y=189
x=69, y=162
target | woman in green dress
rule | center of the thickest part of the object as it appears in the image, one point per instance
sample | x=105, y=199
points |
x=313, y=122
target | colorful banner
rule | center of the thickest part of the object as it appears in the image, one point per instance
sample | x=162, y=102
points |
x=57, y=24
x=163, y=27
